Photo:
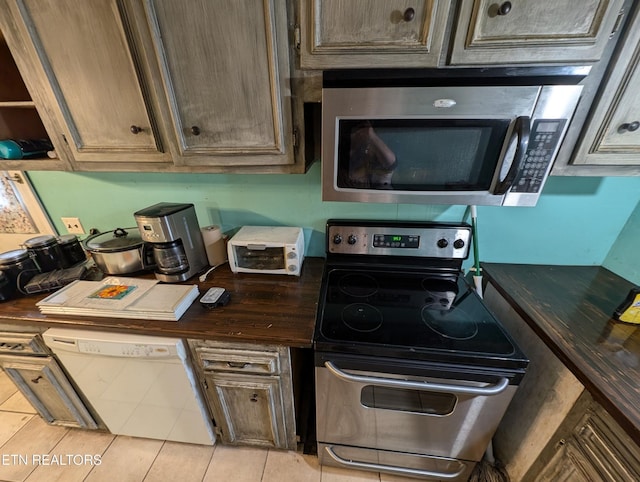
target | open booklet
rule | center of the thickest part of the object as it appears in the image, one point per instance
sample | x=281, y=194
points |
x=121, y=297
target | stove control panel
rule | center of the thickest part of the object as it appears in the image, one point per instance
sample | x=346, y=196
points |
x=415, y=239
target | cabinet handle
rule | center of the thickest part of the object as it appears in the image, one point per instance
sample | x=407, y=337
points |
x=254, y=397
x=195, y=130
x=630, y=126
x=409, y=14
x=236, y=364
x=504, y=9
x=36, y=380
x=135, y=129
x=14, y=178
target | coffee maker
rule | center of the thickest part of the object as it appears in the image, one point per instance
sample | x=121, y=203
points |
x=174, y=232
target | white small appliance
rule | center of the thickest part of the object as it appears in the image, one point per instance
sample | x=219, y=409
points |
x=267, y=249
x=141, y=386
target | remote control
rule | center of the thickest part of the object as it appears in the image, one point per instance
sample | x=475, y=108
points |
x=215, y=297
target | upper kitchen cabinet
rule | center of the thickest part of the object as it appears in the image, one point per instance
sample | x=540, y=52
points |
x=19, y=117
x=371, y=33
x=223, y=68
x=83, y=53
x=525, y=32
x=160, y=85
x=610, y=142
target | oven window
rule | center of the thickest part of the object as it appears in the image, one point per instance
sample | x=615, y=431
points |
x=404, y=400
x=419, y=154
x=261, y=259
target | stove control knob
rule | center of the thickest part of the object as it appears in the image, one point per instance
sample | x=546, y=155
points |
x=352, y=239
x=337, y=239
x=458, y=243
x=442, y=243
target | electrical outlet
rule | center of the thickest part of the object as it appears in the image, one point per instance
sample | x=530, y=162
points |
x=73, y=225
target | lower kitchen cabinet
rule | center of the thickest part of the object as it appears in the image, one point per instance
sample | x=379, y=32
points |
x=249, y=391
x=46, y=387
x=27, y=361
x=593, y=448
x=553, y=429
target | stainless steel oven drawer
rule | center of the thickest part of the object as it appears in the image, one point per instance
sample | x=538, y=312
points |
x=404, y=464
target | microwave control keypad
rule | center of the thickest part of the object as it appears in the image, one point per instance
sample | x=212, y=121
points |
x=543, y=140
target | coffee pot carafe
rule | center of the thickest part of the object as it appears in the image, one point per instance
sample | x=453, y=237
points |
x=178, y=248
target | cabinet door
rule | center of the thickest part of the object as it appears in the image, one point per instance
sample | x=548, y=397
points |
x=569, y=464
x=612, y=137
x=44, y=384
x=84, y=53
x=248, y=409
x=225, y=74
x=610, y=450
x=371, y=33
x=544, y=31
x=20, y=117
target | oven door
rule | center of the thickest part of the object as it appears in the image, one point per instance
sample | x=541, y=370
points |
x=418, y=412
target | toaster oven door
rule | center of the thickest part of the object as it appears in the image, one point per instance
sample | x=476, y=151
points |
x=259, y=257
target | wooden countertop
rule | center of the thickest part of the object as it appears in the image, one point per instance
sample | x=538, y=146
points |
x=570, y=308
x=269, y=309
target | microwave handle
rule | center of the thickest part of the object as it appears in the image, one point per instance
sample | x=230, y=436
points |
x=521, y=130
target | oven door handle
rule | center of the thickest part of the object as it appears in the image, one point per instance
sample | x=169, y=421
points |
x=391, y=468
x=496, y=389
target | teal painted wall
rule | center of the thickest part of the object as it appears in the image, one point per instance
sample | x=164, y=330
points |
x=576, y=221
x=623, y=257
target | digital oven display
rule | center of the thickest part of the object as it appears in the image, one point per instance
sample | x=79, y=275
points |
x=396, y=241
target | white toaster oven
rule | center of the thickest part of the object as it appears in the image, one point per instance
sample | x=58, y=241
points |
x=267, y=249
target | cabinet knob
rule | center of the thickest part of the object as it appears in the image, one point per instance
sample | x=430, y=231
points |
x=36, y=380
x=409, y=14
x=504, y=9
x=195, y=130
x=631, y=126
x=135, y=129
x=254, y=397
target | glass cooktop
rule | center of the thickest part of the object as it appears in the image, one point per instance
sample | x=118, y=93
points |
x=432, y=316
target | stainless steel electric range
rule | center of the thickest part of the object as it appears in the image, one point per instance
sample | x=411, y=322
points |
x=413, y=373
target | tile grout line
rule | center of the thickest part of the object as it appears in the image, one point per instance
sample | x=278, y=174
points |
x=103, y=452
x=215, y=446
x=154, y=461
x=264, y=466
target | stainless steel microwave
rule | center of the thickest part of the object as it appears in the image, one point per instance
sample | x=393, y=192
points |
x=464, y=136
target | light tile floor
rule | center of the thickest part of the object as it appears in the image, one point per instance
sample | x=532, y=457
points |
x=33, y=451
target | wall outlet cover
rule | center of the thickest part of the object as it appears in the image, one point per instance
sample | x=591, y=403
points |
x=73, y=225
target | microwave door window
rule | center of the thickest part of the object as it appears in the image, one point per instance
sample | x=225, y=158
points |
x=420, y=154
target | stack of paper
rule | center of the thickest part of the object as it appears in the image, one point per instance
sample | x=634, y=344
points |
x=117, y=297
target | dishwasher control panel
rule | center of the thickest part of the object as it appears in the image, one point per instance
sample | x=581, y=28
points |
x=131, y=350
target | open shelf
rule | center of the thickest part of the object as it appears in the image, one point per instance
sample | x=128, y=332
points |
x=19, y=118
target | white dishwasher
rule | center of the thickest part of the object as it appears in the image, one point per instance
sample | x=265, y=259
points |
x=139, y=385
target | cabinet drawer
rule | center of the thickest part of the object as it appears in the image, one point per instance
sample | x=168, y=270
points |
x=22, y=344
x=239, y=361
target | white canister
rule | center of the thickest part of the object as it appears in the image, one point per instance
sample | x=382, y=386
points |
x=215, y=245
